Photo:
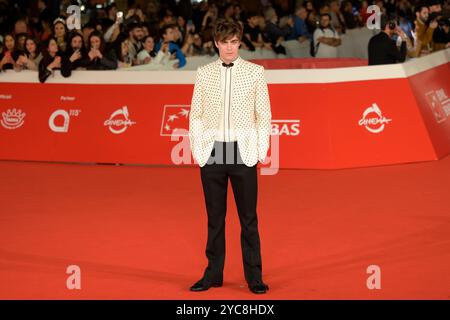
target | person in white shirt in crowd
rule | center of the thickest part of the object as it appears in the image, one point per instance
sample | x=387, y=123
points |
x=326, y=39
x=148, y=56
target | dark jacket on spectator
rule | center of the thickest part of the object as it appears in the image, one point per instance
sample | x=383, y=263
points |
x=272, y=32
x=67, y=66
x=383, y=50
x=107, y=62
x=44, y=73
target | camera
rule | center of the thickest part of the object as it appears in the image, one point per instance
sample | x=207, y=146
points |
x=392, y=24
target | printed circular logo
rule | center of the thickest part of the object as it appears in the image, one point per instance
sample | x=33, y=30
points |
x=373, y=119
x=119, y=121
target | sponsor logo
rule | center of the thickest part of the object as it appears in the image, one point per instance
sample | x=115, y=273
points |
x=119, y=121
x=373, y=120
x=175, y=120
x=439, y=104
x=286, y=127
x=13, y=119
x=65, y=115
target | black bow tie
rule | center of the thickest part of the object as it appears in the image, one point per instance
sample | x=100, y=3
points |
x=228, y=65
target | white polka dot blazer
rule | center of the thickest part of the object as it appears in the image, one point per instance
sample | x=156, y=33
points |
x=250, y=111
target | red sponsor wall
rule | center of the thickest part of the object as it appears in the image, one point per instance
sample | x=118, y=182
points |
x=329, y=124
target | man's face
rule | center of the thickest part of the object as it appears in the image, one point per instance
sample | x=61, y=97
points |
x=137, y=34
x=302, y=13
x=253, y=21
x=169, y=35
x=423, y=14
x=324, y=21
x=228, y=48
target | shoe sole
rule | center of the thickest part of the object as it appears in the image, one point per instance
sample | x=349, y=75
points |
x=212, y=286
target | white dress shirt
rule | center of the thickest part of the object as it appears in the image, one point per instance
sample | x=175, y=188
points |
x=226, y=132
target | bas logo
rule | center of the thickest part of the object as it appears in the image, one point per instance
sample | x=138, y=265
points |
x=373, y=120
x=286, y=127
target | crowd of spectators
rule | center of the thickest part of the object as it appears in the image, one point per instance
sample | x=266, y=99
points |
x=36, y=35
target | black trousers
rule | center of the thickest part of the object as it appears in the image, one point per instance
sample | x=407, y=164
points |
x=243, y=179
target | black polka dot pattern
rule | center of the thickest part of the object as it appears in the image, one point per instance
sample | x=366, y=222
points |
x=250, y=111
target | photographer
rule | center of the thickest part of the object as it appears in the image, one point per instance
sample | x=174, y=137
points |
x=382, y=48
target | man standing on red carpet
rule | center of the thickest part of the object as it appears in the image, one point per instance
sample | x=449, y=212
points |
x=229, y=131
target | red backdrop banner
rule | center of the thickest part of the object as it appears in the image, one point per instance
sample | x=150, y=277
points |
x=315, y=125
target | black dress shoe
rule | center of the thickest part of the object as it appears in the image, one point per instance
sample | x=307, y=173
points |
x=258, y=287
x=203, y=285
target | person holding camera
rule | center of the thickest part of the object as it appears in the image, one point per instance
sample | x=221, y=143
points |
x=75, y=56
x=382, y=48
x=425, y=26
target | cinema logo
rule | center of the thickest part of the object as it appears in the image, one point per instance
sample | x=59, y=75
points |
x=119, y=121
x=55, y=123
x=373, y=120
x=13, y=119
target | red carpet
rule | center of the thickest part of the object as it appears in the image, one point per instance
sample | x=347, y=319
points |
x=139, y=232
